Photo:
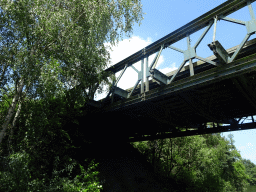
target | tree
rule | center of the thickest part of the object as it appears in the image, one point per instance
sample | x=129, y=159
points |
x=49, y=46
x=52, y=58
x=250, y=170
x=16, y=175
x=196, y=163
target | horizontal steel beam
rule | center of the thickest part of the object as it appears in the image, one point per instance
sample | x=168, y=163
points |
x=238, y=67
x=159, y=76
x=219, y=51
x=218, y=129
x=223, y=10
x=121, y=92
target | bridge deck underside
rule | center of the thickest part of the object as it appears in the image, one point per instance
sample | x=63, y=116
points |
x=219, y=101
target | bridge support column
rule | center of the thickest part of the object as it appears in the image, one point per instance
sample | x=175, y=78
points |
x=147, y=75
x=122, y=168
x=142, y=76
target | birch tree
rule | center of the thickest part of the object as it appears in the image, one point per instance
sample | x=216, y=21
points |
x=44, y=44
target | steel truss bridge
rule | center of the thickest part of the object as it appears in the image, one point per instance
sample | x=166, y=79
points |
x=220, y=89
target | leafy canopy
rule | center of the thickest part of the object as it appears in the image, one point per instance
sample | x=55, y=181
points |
x=58, y=44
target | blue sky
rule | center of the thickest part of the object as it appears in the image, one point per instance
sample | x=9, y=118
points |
x=163, y=17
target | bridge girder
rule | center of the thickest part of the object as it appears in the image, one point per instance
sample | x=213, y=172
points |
x=216, y=89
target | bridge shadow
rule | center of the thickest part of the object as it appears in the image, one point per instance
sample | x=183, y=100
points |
x=121, y=166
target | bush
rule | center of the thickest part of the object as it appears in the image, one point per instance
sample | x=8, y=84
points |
x=16, y=176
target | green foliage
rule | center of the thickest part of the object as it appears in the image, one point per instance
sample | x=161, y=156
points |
x=197, y=163
x=40, y=159
x=49, y=47
x=55, y=45
x=89, y=180
x=17, y=177
x=250, y=168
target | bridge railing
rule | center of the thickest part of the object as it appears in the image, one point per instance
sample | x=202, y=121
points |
x=205, y=21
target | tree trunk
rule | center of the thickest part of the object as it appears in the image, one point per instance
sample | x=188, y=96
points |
x=14, y=123
x=3, y=73
x=11, y=110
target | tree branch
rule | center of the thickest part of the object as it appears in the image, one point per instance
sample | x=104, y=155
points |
x=11, y=110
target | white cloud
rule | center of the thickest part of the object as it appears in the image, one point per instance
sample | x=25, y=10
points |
x=123, y=50
x=126, y=48
x=168, y=69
